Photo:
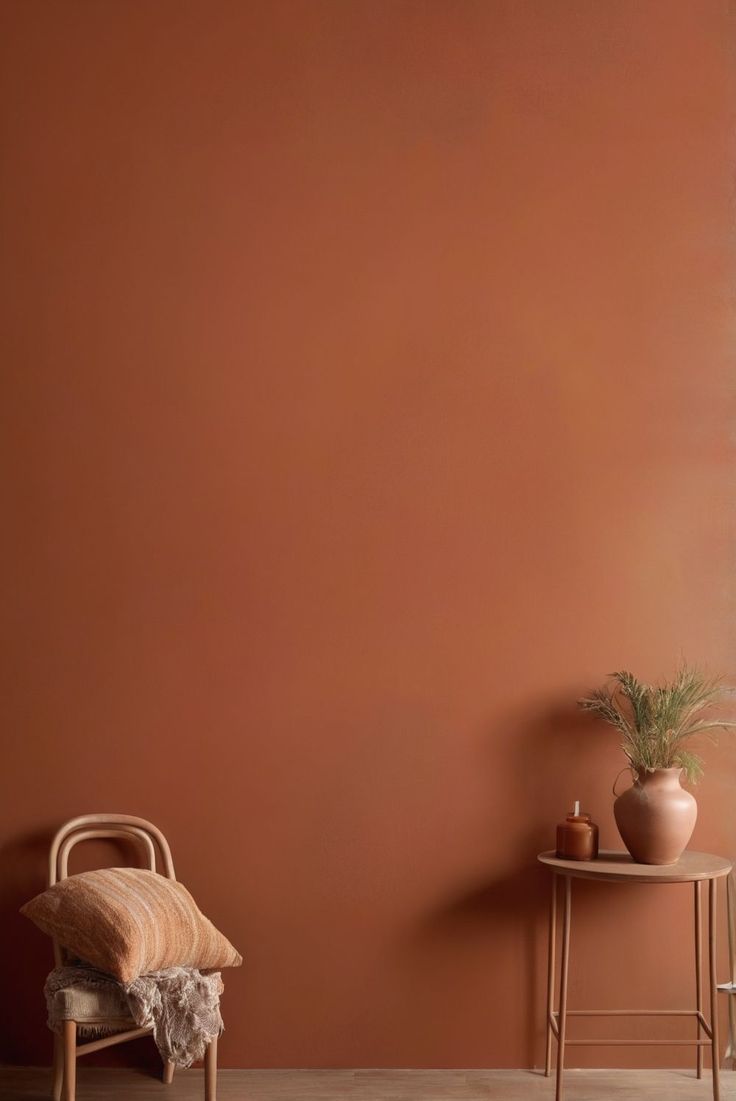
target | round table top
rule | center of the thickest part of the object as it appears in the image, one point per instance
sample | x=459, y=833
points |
x=620, y=867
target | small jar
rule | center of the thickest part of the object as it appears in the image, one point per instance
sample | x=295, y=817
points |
x=577, y=837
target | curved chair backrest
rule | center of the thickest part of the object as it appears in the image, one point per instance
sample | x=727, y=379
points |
x=89, y=826
x=120, y=826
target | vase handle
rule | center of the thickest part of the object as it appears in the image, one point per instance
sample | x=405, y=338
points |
x=626, y=768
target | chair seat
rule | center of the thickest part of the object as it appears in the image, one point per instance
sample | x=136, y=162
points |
x=104, y=1007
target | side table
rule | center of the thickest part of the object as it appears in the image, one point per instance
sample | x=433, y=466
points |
x=618, y=867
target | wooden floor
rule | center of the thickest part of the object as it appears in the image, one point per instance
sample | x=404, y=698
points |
x=30, y=1084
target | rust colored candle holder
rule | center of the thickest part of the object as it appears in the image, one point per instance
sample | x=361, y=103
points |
x=577, y=837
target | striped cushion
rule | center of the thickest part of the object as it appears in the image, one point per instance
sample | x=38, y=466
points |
x=127, y=921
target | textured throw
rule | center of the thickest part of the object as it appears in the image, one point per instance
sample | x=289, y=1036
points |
x=180, y=1004
x=128, y=922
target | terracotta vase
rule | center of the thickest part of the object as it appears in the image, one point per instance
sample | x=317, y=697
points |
x=656, y=816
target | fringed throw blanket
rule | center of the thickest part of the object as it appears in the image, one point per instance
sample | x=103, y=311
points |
x=180, y=1004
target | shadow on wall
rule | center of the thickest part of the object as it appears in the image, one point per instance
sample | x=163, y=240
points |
x=27, y=955
x=551, y=757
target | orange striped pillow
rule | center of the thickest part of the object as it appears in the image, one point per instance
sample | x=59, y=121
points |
x=128, y=921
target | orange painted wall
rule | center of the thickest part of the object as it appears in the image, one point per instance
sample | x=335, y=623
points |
x=367, y=380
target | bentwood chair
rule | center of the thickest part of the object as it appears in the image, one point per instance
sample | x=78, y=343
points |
x=89, y=1011
x=730, y=986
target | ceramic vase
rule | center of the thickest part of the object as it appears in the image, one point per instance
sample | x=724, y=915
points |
x=656, y=816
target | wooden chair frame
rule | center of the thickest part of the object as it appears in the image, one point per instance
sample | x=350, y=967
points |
x=147, y=836
x=730, y=986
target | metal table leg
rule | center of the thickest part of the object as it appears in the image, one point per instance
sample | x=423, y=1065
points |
x=698, y=973
x=712, y=903
x=562, y=1020
x=551, y=936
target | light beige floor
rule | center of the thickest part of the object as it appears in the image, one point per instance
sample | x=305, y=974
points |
x=30, y=1084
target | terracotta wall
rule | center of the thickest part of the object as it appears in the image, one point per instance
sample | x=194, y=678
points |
x=366, y=390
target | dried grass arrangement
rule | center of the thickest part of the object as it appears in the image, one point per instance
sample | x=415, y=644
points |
x=657, y=721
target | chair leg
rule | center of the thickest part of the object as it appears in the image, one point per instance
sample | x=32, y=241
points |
x=57, y=1071
x=168, y=1073
x=210, y=1071
x=70, y=1060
